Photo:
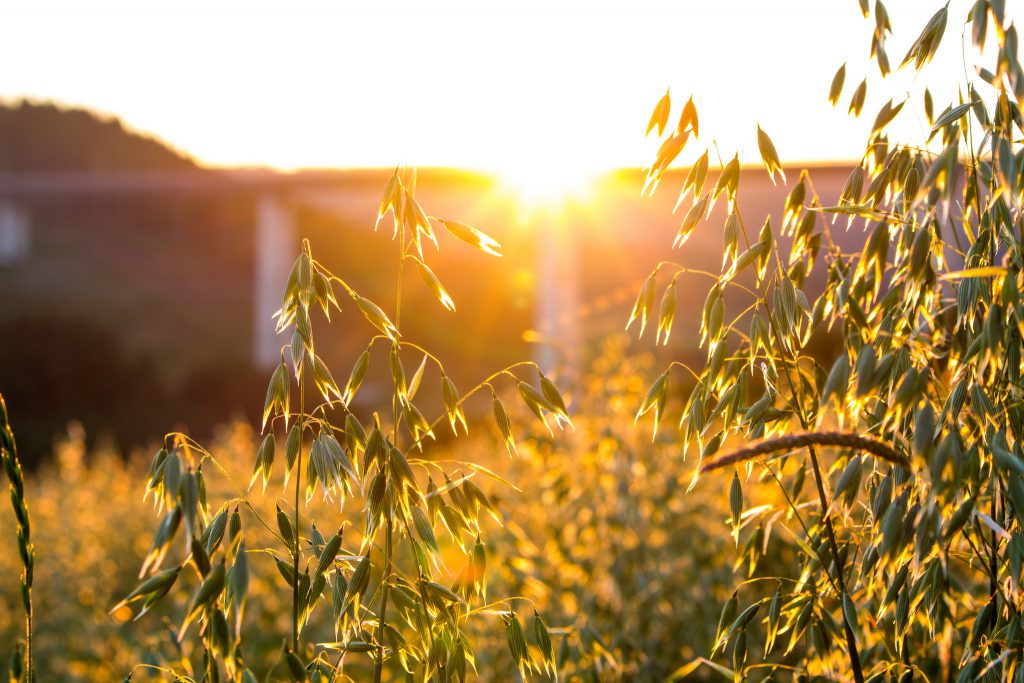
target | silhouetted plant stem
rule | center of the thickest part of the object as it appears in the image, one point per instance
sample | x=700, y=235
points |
x=295, y=524
x=794, y=387
x=788, y=442
x=9, y=451
x=993, y=584
x=378, y=668
x=851, y=638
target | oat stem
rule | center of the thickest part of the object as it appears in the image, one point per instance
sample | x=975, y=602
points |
x=9, y=451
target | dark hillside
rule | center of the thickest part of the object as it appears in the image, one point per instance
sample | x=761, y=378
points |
x=101, y=320
x=45, y=137
x=130, y=309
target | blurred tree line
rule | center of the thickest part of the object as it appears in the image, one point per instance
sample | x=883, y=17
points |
x=45, y=137
x=98, y=322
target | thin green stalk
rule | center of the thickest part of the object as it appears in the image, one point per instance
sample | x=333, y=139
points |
x=382, y=617
x=9, y=451
x=840, y=570
x=378, y=668
x=789, y=442
x=794, y=387
x=295, y=523
x=993, y=584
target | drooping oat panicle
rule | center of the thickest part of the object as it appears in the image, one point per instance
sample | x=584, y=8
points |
x=728, y=181
x=688, y=120
x=924, y=48
x=667, y=313
x=769, y=156
x=391, y=199
x=474, y=237
x=659, y=117
x=736, y=505
x=400, y=552
x=376, y=317
x=278, y=395
x=435, y=286
x=504, y=425
x=896, y=346
x=453, y=406
x=655, y=400
x=695, y=179
x=857, y=101
x=667, y=153
x=264, y=461
x=644, y=303
x=886, y=114
x=355, y=379
x=323, y=380
x=694, y=217
x=836, y=89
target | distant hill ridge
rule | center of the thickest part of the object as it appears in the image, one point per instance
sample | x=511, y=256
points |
x=47, y=137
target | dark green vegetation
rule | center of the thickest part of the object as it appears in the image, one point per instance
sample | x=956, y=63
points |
x=97, y=319
x=898, y=468
x=21, y=665
x=863, y=404
x=400, y=605
x=44, y=137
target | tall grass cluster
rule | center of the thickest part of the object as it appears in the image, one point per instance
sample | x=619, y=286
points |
x=582, y=543
x=898, y=463
x=400, y=601
x=855, y=517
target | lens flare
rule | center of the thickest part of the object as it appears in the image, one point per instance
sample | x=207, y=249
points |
x=538, y=185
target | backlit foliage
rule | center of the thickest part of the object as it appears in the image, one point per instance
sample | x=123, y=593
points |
x=22, y=664
x=898, y=463
x=631, y=571
x=592, y=537
x=401, y=566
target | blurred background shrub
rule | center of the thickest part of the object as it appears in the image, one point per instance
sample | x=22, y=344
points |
x=627, y=567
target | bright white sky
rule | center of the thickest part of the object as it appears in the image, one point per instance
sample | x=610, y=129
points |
x=492, y=85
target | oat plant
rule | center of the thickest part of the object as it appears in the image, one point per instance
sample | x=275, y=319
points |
x=894, y=469
x=402, y=566
x=21, y=668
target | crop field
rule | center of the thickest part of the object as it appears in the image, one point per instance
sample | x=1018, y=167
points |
x=774, y=433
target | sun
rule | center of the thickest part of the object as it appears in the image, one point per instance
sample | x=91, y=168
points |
x=542, y=185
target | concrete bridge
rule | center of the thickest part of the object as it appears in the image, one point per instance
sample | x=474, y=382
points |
x=276, y=198
x=590, y=258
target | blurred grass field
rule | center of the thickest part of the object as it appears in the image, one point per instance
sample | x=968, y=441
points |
x=601, y=536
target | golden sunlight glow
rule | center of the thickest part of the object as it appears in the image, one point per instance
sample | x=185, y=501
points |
x=540, y=186
x=327, y=95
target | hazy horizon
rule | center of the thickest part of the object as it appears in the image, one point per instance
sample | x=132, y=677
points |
x=382, y=167
x=503, y=88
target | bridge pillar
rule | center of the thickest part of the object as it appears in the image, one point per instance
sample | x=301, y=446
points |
x=275, y=252
x=557, y=311
x=15, y=232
